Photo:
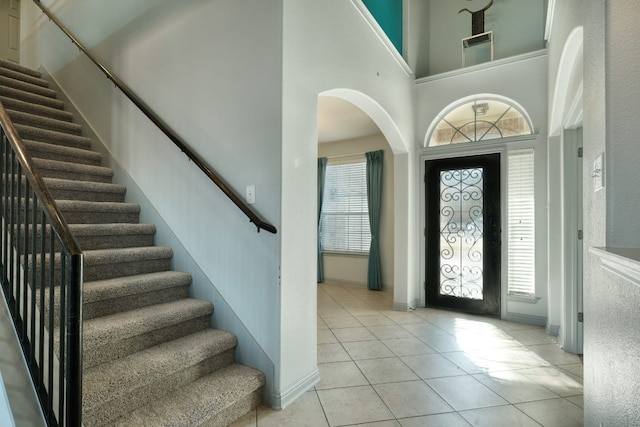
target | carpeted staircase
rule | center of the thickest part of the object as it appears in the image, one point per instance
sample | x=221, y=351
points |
x=150, y=355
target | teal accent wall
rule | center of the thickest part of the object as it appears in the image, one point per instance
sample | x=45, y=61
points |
x=388, y=13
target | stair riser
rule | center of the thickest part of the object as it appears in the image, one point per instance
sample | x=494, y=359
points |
x=120, y=269
x=89, y=242
x=132, y=302
x=80, y=217
x=116, y=349
x=87, y=196
x=235, y=411
x=74, y=176
x=33, y=98
x=27, y=87
x=106, y=413
x=40, y=110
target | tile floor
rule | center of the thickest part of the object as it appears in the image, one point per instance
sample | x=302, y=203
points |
x=384, y=368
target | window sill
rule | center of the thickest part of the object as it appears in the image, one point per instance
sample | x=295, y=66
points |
x=624, y=262
x=526, y=300
x=353, y=254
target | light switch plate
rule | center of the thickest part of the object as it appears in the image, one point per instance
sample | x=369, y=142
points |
x=598, y=173
x=251, y=194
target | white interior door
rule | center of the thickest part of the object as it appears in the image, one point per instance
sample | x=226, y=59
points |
x=10, y=30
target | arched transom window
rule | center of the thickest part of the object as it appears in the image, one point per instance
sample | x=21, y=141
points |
x=480, y=119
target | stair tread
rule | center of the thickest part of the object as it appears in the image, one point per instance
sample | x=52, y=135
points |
x=19, y=75
x=34, y=98
x=109, y=256
x=111, y=229
x=68, y=184
x=19, y=68
x=27, y=87
x=100, y=290
x=30, y=132
x=73, y=167
x=37, y=121
x=62, y=149
x=197, y=402
x=30, y=107
x=104, y=382
x=98, y=331
x=81, y=205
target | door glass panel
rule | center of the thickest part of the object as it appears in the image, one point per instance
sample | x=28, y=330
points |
x=461, y=233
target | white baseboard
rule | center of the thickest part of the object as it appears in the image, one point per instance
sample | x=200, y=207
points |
x=528, y=319
x=284, y=398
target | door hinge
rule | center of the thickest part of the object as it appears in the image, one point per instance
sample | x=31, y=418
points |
x=580, y=317
x=580, y=234
x=580, y=152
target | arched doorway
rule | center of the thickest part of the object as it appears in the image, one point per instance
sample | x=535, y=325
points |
x=404, y=295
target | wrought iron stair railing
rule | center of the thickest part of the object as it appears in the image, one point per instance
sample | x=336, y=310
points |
x=42, y=270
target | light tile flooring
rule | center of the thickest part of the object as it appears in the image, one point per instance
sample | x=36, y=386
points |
x=384, y=368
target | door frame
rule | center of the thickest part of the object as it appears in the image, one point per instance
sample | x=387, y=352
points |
x=6, y=13
x=465, y=150
x=572, y=251
x=491, y=195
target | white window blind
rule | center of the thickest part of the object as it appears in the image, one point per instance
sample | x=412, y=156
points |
x=345, y=215
x=521, y=223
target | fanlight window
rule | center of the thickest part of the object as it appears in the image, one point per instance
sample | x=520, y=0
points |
x=480, y=120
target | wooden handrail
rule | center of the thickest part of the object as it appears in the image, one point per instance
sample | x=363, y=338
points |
x=164, y=127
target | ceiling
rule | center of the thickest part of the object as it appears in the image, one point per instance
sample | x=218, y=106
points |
x=340, y=120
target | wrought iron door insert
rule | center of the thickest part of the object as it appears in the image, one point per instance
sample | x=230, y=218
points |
x=463, y=233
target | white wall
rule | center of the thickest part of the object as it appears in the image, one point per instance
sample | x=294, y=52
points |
x=611, y=304
x=212, y=70
x=328, y=45
x=353, y=268
x=518, y=27
x=524, y=81
x=416, y=39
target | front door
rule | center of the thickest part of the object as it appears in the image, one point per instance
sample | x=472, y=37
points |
x=463, y=234
x=10, y=30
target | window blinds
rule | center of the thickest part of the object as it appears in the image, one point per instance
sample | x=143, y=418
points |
x=345, y=215
x=521, y=223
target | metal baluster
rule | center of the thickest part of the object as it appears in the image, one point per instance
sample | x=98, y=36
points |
x=62, y=322
x=43, y=238
x=74, y=333
x=51, y=414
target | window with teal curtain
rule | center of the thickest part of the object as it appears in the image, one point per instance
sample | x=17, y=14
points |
x=388, y=14
x=322, y=168
x=374, y=200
